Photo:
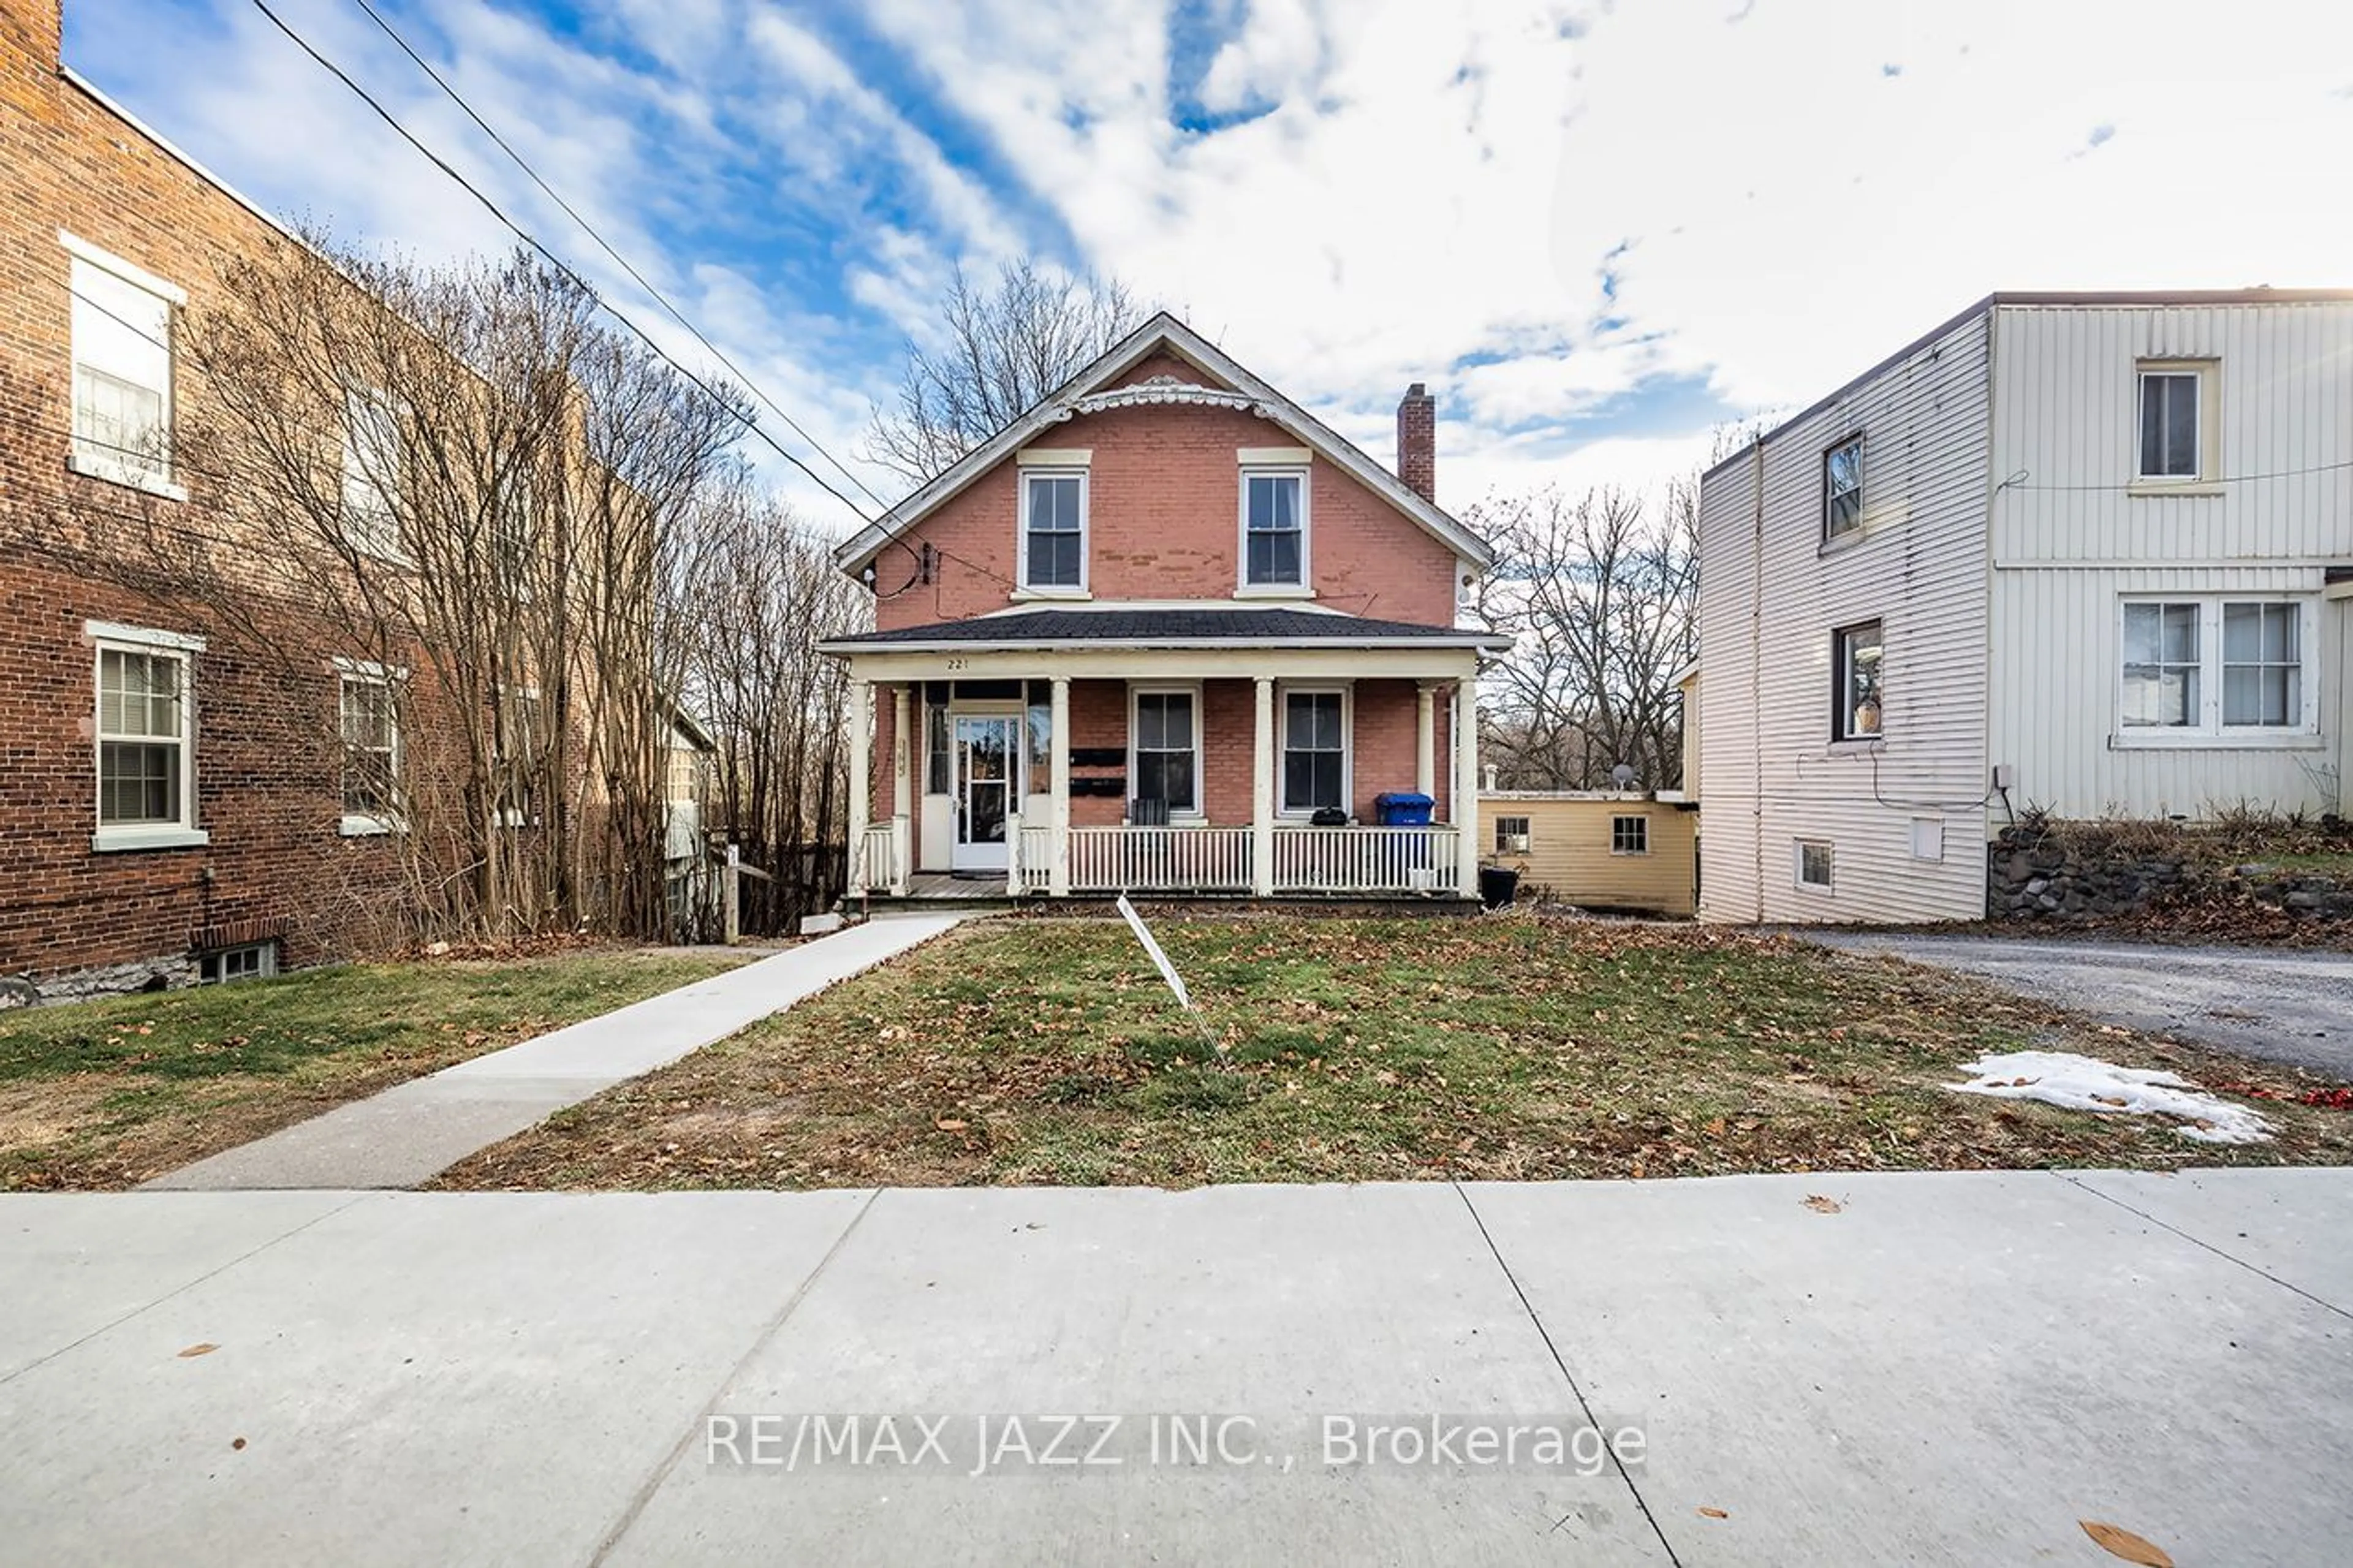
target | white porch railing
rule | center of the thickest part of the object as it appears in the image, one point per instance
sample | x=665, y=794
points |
x=1365, y=861
x=1036, y=858
x=1160, y=860
x=878, y=863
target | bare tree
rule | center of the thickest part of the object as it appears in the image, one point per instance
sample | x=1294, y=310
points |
x=455, y=504
x=1599, y=596
x=1003, y=347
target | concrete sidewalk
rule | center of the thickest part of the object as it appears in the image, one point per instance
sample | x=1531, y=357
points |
x=1949, y=1369
x=410, y=1133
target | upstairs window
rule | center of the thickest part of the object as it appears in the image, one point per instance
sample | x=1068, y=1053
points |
x=2170, y=441
x=1053, y=530
x=121, y=326
x=1167, y=751
x=371, y=474
x=1274, y=528
x=1842, y=489
x=1856, y=674
x=1314, y=751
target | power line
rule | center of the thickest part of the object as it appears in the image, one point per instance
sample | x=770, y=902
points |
x=2018, y=481
x=622, y=261
x=750, y=423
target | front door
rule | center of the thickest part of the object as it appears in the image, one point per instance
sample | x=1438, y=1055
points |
x=988, y=784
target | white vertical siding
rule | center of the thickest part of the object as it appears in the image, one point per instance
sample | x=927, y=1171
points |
x=2069, y=538
x=1771, y=593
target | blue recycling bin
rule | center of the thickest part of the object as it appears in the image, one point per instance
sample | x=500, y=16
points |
x=1404, y=808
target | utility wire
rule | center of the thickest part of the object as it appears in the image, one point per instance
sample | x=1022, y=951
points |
x=750, y=423
x=622, y=261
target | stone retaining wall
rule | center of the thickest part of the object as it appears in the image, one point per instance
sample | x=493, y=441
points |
x=2042, y=874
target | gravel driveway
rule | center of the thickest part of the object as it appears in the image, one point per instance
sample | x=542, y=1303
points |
x=2292, y=1008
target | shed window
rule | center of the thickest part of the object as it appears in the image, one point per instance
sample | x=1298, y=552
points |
x=1629, y=835
x=1512, y=835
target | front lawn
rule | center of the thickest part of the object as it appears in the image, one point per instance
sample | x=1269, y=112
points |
x=109, y=1093
x=1047, y=1051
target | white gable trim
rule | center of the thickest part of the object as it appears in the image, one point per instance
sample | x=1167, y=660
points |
x=1087, y=393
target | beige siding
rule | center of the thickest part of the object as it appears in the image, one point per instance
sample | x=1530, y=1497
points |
x=1771, y=593
x=2070, y=538
x=1569, y=857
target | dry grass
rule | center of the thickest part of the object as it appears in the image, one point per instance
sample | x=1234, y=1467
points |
x=108, y=1093
x=1037, y=1051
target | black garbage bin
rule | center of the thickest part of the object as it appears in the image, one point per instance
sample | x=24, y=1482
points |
x=1498, y=886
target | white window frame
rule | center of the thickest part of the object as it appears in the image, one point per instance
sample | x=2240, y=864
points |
x=2205, y=373
x=373, y=534
x=1510, y=840
x=116, y=469
x=1618, y=822
x=1029, y=590
x=1305, y=587
x=107, y=636
x=211, y=966
x=1798, y=864
x=350, y=672
x=1860, y=490
x=1283, y=694
x=2209, y=731
x=1199, y=809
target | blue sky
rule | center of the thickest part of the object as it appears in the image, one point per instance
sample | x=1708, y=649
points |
x=1597, y=229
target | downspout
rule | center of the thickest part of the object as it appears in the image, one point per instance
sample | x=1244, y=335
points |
x=1756, y=667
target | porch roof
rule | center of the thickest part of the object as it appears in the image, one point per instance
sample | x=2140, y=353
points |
x=1205, y=627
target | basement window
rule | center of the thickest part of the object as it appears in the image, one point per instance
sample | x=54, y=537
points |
x=1814, y=864
x=254, y=961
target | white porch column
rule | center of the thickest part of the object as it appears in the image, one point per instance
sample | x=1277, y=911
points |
x=1262, y=769
x=1466, y=779
x=861, y=737
x=902, y=791
x=1425, y=738
x=1058, y=880
x=1013, y=851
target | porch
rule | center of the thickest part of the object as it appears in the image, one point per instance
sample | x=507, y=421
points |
x=1259, y=773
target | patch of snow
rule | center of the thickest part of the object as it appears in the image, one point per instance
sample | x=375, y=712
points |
x=2086, y=1083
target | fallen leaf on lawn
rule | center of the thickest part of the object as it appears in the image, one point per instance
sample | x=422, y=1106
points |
x=2120, y=1543
x=1821, y=1204
x=206, y=1349
x=950, y=1124
x=1713, y=1513
x=1715, y=1128
x=239, y=1444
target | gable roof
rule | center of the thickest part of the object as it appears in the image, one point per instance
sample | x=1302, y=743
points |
x=1090, y=392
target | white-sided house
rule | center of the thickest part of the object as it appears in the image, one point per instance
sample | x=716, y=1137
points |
x=2090, y=553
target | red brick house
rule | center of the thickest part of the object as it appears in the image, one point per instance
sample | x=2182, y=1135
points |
x=166, y=811
x=1167, y=633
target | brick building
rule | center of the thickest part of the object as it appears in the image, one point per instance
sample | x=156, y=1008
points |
x=1170, y=633
x=171, y=806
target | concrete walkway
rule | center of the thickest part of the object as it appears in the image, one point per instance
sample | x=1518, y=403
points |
x=2280, y=1004
x=1949, y=1369
x=408, y=1134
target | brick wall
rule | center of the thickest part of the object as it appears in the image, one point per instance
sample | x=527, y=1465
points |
x=267, y=777
x=1164, y=520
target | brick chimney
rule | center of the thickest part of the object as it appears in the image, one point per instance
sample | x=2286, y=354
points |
x=33, y=28
x=1417, y=451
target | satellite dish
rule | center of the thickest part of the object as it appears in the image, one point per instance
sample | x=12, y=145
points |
x=1623, y=776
